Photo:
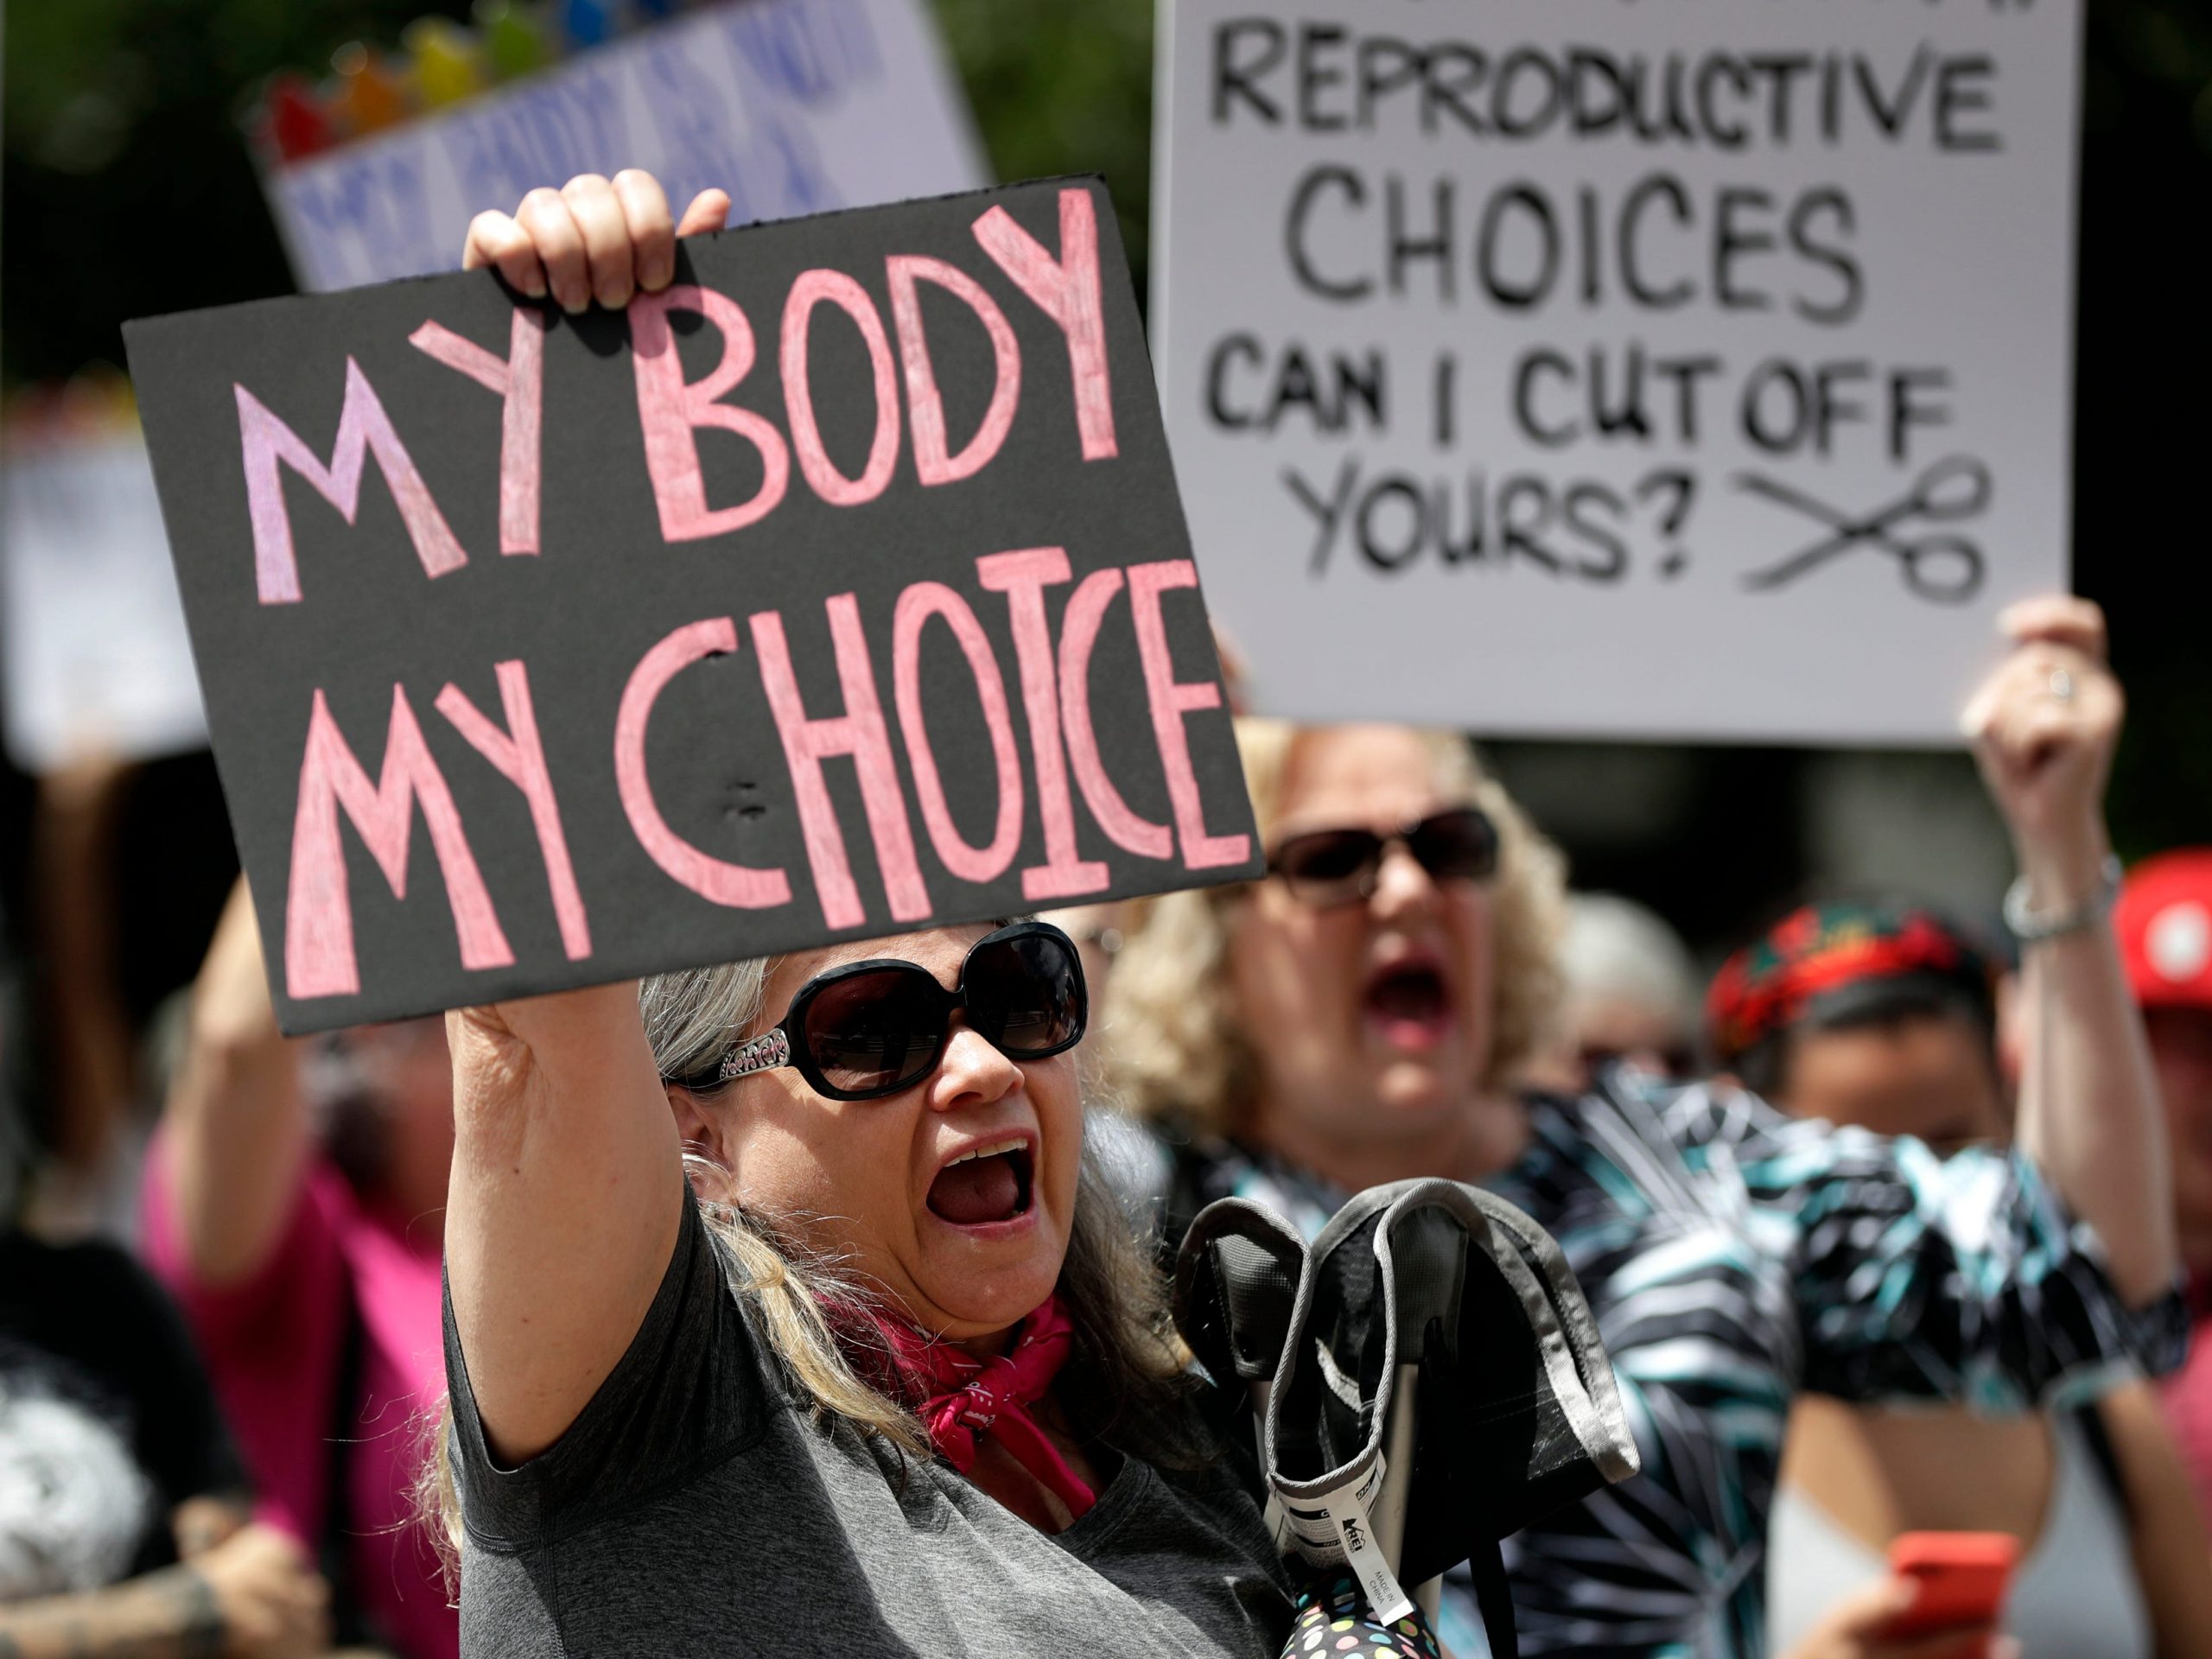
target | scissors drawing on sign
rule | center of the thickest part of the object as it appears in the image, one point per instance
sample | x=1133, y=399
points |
x=1947, y=570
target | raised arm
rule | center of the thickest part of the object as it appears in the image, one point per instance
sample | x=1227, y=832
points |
x=567, y=1174
x=2043, y=725
x=234, y=1134
x=88, y=1034
x=563, y=1211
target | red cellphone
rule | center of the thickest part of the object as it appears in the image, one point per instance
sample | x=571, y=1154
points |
x=1962, y=1578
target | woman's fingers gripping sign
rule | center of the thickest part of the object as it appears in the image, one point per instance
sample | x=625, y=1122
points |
x=593, y=240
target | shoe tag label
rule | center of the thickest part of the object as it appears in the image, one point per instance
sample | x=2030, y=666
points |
x=1389, y=1602
x=1313, y=1525
x=1337, y=1533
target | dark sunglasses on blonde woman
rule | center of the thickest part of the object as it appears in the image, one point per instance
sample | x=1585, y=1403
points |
x=867, y=1029
x=1328, y=867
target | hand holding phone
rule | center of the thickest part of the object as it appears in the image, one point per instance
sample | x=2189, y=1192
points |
x=1961, y=1578
x=1934, y=1605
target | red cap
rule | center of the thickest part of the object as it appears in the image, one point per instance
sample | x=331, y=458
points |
x=2164, y=922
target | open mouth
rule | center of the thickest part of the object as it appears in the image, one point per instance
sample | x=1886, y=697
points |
x=1410, y=1002
x=990, y=1184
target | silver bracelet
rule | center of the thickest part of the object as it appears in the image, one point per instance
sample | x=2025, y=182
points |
x=2030, y=927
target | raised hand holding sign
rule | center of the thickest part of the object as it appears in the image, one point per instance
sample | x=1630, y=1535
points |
x=802, y=444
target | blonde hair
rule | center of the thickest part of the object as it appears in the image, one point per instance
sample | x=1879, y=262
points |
x=1176, y=1042
x=1124, y=1381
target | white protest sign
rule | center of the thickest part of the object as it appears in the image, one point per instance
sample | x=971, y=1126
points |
x=1584, y=367
x=97, y=658
x=793, y=106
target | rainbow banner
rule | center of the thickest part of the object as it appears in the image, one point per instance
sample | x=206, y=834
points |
x=793, y=106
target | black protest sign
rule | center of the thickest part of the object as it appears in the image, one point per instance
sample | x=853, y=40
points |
x=839, y=589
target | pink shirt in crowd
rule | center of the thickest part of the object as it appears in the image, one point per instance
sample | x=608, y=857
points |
x=276, y=1347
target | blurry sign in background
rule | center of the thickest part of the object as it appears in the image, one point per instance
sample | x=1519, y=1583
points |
x=793, y=106
x=1559, y=368
x=97, y=663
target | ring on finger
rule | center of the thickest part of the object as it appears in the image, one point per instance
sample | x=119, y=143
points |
x=2059, y=686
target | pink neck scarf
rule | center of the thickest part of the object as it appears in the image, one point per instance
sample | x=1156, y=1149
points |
x=968, y=1397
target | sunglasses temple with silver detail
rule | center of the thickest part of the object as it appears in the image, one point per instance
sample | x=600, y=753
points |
x=763, y=1053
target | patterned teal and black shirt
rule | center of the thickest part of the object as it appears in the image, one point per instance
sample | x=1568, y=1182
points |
x=1735, y=1257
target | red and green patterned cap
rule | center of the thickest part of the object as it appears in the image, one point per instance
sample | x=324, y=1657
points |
x=1770, y=984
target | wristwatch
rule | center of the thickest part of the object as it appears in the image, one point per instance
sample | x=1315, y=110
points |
x=2033, y=927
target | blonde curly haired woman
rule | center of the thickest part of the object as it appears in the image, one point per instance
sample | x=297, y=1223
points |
x=1359, y=1017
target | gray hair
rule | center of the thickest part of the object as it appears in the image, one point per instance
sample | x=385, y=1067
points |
x=1615, y=948
x=693, y=1015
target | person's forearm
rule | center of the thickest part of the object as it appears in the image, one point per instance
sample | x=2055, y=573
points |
x=2173, y=1561
x=91, y=1043
x=2090, y=1111
x=200, y=1524
x=567, y=1174
x=167, y=1615
x=236, y=1140
x=235, y=1135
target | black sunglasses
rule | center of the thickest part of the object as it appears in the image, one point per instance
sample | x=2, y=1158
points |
x=868, y=1029
x=1328, y=867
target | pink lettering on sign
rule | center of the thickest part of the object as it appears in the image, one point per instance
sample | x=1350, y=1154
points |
x=1022, y=576
x=921, y=601
x=319, y=958
x=859, y=732
x=1172, y=700
x=739, y=886
x=1078, y=637
x=364, y=429
x=925, y=404
x=520, y=757
x=671, y=413
x=1067, y=290
x=518, y=380
x=813, y=288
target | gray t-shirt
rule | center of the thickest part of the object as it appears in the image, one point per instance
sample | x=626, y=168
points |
x=693, y=1509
